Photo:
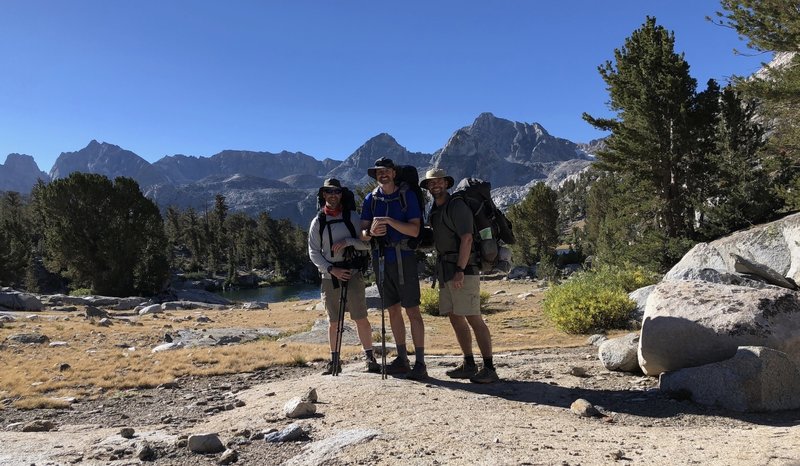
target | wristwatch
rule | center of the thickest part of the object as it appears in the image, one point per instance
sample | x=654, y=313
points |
x=459, y=269
x=330, y=267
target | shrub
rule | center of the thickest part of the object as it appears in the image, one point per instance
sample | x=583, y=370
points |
x=81, y=292
x=595, y=300
x=429, y=301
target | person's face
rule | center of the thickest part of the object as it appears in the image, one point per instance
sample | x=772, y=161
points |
x=384, y=175
x=437, y=187
x=332, y=196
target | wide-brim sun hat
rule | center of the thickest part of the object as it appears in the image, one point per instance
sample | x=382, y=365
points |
x=434, y=173
x=329, y=183
x=382, y=162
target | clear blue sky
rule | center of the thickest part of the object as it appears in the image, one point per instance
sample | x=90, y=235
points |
x=163, y=77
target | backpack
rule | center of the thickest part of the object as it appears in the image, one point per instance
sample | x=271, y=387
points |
x=407, y=178
x=491, y=228
x=355, y=259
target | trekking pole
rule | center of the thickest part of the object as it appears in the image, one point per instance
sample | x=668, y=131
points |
x=383, y=314
x=339, y=329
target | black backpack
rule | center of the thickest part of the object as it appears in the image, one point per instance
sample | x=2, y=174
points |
x=407, y=178
x=354, y=258
x=491, y=228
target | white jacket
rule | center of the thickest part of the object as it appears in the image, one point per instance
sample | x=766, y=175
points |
x=319, y=248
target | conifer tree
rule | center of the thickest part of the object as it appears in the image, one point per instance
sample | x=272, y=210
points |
x=535, y=221
x=774, y=26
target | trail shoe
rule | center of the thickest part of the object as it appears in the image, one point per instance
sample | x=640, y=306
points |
x=462, y=371
x=419, y=372
x=398, y=366
x=329, y=368
x=485, y=376
x=373, y=366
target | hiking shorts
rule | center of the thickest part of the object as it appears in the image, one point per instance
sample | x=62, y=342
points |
x=356, y=301
x=465, y=301
x=391, y=291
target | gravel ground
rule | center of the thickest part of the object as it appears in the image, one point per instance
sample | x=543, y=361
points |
x=360, y=419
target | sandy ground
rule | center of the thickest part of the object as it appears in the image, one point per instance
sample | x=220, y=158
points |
x=362, y=419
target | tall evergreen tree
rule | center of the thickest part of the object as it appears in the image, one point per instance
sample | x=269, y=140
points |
x=16, y=239
x=774, y=26
x=535, y=221
x=654, y=143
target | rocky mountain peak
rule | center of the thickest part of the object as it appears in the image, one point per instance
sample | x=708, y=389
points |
x=106, y=159
x=19, y=173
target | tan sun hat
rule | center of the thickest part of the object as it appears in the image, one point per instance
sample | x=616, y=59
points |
x=436, y=173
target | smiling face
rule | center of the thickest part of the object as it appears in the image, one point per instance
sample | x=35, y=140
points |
x=437, y=187
x=384, y=175
x=333, y=197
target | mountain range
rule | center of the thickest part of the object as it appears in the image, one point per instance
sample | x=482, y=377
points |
x=511, y=155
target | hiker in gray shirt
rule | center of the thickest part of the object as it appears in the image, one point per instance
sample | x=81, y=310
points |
x=459, y=281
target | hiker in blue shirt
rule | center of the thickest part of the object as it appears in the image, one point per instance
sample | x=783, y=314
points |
x=391, y=215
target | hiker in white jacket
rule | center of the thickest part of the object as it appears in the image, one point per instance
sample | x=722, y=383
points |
x=334, y=247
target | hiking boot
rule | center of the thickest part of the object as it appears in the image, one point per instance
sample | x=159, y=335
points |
x=398, y=366
x=373, y=366
x=485, y=375
x=419, y=372
x=329, y=368
x=462, y=371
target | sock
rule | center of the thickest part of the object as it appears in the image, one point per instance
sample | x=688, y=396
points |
x=419, y=354
x=402, y=353
x=469, y=360
x=487, y=363
x=368, y=353
x=334, y=355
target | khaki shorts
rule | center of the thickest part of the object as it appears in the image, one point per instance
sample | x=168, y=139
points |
x=461, y=302
x=356, y=300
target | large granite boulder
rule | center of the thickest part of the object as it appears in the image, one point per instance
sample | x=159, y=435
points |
x=755, y=379
x=692, y=323
x=773, y=245
x=17, y=301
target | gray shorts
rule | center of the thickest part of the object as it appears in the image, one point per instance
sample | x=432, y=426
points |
x=356, y=300
x=391, y=291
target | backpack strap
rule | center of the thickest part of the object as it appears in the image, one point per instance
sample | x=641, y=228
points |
x=323, y=222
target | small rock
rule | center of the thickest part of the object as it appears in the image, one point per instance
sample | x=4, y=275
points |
x=146, y=452
x=54, y=344
x=92, y=311
x=228, y=456
x=28, y=338
x=578, y=371
x=63, y=367
x=310, y=396
x=126, y=432
x=297, y=408
x=583, y=408
x=205, y=443
x=39, y=426
x=104, y=322
x=290, y=433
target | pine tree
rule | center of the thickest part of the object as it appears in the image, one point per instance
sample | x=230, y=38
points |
x=774, y=26
x=102, y=235
x=535, y=221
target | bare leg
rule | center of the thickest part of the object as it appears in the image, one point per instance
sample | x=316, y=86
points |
x=482, y=335
x=417, y=326
x=397, y=323
x=364, y=330
x=463, y=335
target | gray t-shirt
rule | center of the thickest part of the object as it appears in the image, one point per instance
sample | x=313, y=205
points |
x=447, y=233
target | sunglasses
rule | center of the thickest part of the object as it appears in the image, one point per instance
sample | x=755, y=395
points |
x=332, y=191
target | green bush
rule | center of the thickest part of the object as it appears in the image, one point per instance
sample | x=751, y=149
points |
x=595, y=300
x=429, y=301
x=81, y=292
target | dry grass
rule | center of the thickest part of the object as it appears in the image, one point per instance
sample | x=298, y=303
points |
x=103, y=359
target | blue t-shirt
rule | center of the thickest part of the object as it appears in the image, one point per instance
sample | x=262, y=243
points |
x=390, y=206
